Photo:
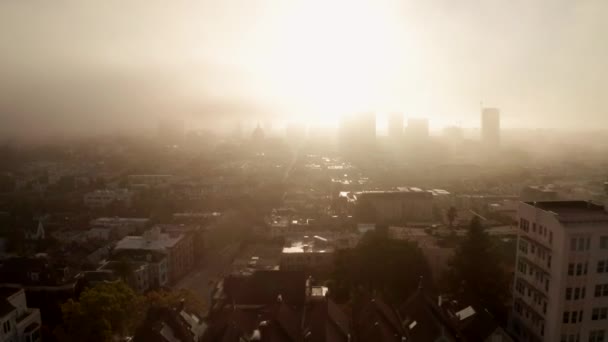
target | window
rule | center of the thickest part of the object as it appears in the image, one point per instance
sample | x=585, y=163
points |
x=599, y=314
x=602, y=266
x=579, y=269
x=549, y=261
x=597, y=335
x=568, y=293
x=574, y=317
x=570, y=269
x=577, y=293
x=601, y=290
x=534, y=227
x=6, y=326
x=588, y=247
x=604, y=242
x=550, y=237
x=566, y=317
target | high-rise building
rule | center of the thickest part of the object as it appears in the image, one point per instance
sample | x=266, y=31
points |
x=417, y=129
x=395, y=126
x=560, y=288
x=490, y=126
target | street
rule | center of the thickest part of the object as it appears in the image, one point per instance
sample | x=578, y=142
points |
x=204, y=277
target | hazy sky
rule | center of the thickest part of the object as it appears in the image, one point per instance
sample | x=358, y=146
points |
x=105, y=64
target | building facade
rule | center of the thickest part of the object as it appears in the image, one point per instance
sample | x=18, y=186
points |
x=560, y=288
x=18, y=322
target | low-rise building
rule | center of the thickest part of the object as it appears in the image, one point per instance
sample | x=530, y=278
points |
x=103, y=198
x=177, y=246
x=18, y=322
x=411, y=206
x=310, y=253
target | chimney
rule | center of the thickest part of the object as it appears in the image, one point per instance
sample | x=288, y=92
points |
x=182, y=305
x=439, y=301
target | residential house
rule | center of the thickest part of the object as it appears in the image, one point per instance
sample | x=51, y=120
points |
x=18, y=323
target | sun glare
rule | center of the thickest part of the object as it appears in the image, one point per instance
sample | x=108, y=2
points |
x=332, y=58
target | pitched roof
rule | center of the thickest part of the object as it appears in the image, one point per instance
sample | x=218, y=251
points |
x=422, y=319
x=326, y=322
x=377, y=321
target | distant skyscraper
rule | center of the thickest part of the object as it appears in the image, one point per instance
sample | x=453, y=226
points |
x=490, y=126
x=395, y=126
x=417, y=129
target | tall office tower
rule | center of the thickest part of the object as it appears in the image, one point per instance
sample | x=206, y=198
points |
x=395, y=126
x=561, y=280
x=490, y=127
x=417, y=129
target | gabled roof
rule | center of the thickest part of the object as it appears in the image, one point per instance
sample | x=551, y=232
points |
x=324, y=321
x=377, y=321
x=422, y=319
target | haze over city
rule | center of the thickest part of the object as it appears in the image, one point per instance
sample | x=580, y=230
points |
x=303, y=171
x=72, y=66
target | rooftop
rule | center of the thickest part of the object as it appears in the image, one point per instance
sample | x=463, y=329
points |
x=158, y=241
x=573, y=211
x=314, y=244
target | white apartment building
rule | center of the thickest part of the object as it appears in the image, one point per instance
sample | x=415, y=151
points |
x=18, y=322
x=561, y=279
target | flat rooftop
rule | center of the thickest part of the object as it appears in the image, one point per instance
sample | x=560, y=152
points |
x=315, y=244
x=573, y=211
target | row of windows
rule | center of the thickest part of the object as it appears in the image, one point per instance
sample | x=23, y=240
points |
x=601, y=290
x=572, y=317
x=599, y=314
x=575, y=293
x=584, y=243
x=530, y=314
x=538, y=275
x=537, y=297
x=570, y=338
x=594, y=336
x=580, y=244
x=581, y=269
x=542, y=230
x=597, y=335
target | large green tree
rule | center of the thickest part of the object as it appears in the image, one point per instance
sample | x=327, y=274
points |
x=101, y=313
x=476, y=271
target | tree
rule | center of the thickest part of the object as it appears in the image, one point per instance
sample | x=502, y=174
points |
x=173, y=298
x=100, y=313
x=379, y=265
x=476, y=273
x=452, y=214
